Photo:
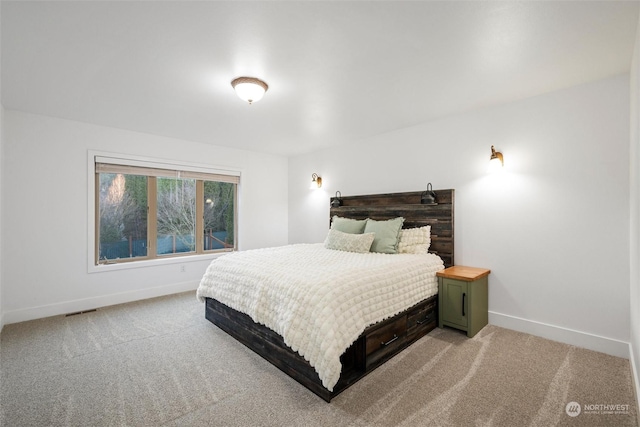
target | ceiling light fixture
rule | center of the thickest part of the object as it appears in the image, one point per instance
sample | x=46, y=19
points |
x=249, y=89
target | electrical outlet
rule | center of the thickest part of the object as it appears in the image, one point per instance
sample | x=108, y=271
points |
x=183, y=268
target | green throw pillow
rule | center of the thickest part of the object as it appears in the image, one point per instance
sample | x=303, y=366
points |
x=387, y=234
x=348, y=225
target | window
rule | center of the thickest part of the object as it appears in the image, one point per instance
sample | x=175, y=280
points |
x=154, y=212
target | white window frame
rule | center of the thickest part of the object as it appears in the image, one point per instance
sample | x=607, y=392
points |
x=148, y=162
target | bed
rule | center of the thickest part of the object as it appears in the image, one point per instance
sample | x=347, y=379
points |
x=325, y=317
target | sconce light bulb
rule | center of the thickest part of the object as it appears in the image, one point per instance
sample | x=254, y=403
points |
x=316, y=182
x=496, y=161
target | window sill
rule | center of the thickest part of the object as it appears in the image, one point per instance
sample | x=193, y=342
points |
x=102, y=268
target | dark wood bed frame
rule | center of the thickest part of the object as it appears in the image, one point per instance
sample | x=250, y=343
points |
x=379, y=342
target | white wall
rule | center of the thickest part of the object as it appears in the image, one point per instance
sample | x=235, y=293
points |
x=45, y=204
x=634, y=226
x=1, y=207
x=1, y=162
x=553, y=226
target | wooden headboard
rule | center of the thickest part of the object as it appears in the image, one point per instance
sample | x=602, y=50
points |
x=407, y=205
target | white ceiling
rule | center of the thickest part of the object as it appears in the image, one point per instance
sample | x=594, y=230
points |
x=337, y=71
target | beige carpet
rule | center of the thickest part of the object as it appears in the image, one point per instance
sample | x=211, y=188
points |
x=160, y=363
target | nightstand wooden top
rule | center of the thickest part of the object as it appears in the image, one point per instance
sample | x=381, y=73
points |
x=459, y=272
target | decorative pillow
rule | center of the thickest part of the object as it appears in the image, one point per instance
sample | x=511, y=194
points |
x=348, y=225
x=387, y=234
x=415, y=240
x=348, y=242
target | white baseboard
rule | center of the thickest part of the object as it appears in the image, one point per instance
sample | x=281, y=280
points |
x=636, y=383
x=96, y=302
x=556, y=333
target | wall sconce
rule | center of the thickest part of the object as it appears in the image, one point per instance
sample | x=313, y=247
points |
x=428, y=197
x=316, y=182
x=337, y=201
x=496, y=161
x=249, y=89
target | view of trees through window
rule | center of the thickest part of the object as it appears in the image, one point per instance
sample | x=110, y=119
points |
x=218, y=215
x=128, y=222
x=123, y=216
x=176, y=215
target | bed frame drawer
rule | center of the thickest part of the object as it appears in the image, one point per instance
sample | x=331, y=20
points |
x=385, y=340
x=421, y=320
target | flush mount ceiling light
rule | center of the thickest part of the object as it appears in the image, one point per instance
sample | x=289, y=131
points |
x=249, y=89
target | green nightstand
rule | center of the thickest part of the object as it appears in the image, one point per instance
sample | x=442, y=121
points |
x=463, y=298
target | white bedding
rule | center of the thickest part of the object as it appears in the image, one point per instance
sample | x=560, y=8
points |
x=319, y=300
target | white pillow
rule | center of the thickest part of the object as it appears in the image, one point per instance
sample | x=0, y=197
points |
x=348, y=242
x=415, y=240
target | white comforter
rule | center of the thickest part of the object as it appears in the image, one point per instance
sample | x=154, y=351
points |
x=319, y=300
